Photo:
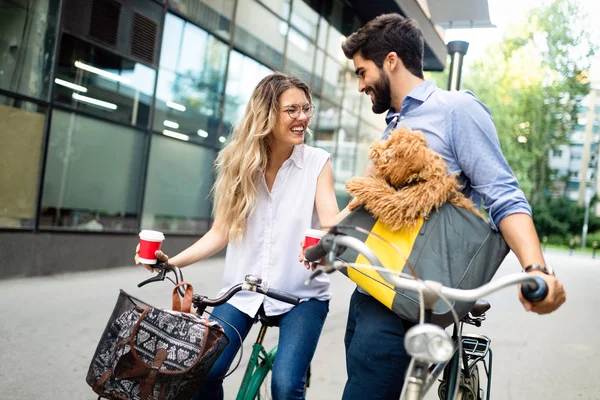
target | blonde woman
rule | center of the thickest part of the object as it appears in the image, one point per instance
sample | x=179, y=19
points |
x=269, y=189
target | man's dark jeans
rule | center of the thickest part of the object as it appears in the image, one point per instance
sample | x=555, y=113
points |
x=376, y=361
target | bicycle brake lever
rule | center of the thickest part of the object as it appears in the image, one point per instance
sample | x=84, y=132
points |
x=158, y=277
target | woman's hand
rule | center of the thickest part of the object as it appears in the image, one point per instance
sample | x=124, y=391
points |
x=307, y=265
x=158, y=254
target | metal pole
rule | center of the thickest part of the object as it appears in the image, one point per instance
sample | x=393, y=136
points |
x=585, y=223
x=457, y=50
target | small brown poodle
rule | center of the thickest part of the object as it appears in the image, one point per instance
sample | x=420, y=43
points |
x=409, y=181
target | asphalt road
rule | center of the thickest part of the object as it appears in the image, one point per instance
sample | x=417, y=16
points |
x=51, y=325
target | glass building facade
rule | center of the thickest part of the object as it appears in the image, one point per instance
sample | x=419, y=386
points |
x=112, y=112
x=104, y=136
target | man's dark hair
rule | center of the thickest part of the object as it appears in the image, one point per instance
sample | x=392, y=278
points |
x=387, y=33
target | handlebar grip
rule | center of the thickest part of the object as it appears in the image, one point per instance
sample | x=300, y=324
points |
x=283, y=296
x=316, y=252
x=536, y=294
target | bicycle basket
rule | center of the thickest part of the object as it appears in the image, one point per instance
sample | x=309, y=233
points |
x=147, y=353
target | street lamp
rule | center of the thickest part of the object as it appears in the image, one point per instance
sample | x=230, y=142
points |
x=457, y=50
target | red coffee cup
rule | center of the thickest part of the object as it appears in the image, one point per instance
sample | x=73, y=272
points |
x=312, y=237
x=150, y=241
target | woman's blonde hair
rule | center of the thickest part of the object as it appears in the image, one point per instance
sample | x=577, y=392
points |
x=244, y=158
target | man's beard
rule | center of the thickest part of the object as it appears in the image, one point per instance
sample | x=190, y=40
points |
x=382, y=94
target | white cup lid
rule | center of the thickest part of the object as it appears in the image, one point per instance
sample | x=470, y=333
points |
x=315, y=233
x=153, y=236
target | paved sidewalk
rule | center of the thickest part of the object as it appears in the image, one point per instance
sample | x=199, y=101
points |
x=51, y=325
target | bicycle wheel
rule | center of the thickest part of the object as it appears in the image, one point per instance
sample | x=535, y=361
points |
x=468, y=389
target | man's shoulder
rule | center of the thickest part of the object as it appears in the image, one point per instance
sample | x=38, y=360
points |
x=456, y=97
x=460, y=101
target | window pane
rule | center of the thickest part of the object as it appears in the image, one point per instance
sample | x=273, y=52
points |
x=334, y=45
x=190, y=82
x=244, y=75
x=346, y=150
x=367, y=134
x=214, y=15
x=172, y=37
x=300, y=56
x=280, y=7
x=352, y=97
x=326, y=134
x=178, y=184
x=333, y=83
x=323, y=29
x=318, y=72
x=367, y=115
x=93, y=173
x=310, y=139
x=100, y=82
x=27, y=37
x=260, y=33
x=21, y=134
x=326, y=131
x=305, y=18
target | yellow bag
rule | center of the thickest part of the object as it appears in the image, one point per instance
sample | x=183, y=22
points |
x=452, y=246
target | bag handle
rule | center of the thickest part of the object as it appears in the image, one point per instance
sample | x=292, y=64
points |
x=186, y=306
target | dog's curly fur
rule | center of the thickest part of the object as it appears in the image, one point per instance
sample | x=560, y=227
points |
x=409, y=181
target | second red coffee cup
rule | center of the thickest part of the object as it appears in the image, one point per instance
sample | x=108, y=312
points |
x=312, y=237
x=150, y=241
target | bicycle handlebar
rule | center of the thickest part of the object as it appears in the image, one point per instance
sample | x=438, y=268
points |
x=251, y=283
x=533, y=288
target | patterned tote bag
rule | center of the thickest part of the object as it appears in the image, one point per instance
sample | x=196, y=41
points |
x=147, y=353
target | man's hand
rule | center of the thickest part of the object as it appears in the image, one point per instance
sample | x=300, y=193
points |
x=556, y=295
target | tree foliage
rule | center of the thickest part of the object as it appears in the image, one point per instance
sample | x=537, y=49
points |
x=533, y=82
x=560, y=218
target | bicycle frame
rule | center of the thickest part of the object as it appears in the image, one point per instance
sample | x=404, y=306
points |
x=259, y=365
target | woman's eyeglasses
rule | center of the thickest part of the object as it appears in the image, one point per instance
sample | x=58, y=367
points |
x=294, y=110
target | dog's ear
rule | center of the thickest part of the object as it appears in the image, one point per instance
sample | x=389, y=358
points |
x=377, y=152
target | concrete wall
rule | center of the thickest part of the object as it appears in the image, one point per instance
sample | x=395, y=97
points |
x=32, y=254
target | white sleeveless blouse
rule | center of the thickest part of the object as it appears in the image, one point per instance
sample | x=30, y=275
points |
x=271, y=242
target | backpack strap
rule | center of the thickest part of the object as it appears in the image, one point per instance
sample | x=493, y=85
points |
x=147, y=384
x=186, y=306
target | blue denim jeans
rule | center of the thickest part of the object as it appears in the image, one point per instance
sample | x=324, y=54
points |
x=376, y=361
x=299, y=331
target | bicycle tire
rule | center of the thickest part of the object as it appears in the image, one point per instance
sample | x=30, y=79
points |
x=468, y=388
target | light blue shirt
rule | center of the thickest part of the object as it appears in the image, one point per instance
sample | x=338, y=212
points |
x=460, y=128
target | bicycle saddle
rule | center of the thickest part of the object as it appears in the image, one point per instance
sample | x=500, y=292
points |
x=266, y=320
x=480, y=307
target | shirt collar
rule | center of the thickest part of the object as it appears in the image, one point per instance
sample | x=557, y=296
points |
x=298, y=155
x=419, y=93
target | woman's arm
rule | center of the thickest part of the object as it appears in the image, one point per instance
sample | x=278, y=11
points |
x=213, y=241
x=325, y=201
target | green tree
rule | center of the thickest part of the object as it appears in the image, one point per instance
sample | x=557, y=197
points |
x=533, y=82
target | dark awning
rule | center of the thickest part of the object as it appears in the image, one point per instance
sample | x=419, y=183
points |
x=457, y=14
x=446, y=13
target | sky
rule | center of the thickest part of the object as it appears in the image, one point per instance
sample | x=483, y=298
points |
x=502, y=14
